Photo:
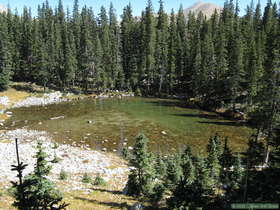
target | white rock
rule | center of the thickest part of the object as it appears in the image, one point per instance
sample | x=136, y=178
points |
x=4, y=100
x=163, y=133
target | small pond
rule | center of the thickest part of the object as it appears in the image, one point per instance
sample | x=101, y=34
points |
x=168, y=123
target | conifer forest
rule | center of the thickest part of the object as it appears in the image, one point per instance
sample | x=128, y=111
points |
x=228, y=62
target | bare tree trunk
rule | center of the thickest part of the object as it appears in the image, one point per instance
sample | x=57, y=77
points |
x=18, y=161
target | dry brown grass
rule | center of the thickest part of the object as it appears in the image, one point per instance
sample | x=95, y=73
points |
x=14, y=96
x=99, y=199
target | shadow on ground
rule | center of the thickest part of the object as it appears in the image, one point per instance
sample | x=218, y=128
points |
x=205, y=116
x=236, y=124
x=109, y=204
x=115, y=192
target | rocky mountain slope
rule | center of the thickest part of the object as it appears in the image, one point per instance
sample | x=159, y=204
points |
x=206, y=8
x=2, y=8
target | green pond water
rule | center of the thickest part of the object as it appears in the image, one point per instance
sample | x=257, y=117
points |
x=167, y=123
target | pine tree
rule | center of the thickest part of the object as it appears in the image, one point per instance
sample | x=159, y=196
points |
x=173, y=171
x=204, y=184
x=171, y=53
x=86, y=61
x=76, y=25
x=208, y=68
x=70, y=58
x=222, y=65
x=26, y=44
x=5, y=55
x=236, y=71
x=255, y=152
x=38, y=191
x=115, y=65
x=149, y=46
x=226, y=158
x=235, y=181
x=226, y=162
x=128, y=51
x=160, y=167
x=104, y=35
x=161, y=50
x=213, y=163
x=140, y=180
x=182, y=195
x=14, y=31
x=181, y=46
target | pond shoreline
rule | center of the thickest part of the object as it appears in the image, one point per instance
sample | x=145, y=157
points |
x=73, y=159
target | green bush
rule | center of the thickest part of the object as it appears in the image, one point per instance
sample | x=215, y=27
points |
x=63, y=175
x=86, y=178
x=99, y=181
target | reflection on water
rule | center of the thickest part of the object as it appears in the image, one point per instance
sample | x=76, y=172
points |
x=113, y=123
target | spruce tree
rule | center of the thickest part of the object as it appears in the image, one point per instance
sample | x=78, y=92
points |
x=171, y=53
x=115, y=61
x=161, y=50
x=5, y=55
x=173, y=171
x=140, y=179
x=36, y=191
x=181, y=45
x=182, y=195
x=236, y=71
x=235, y=182
x=128, y=51
x=213, y=163
x=149, y=46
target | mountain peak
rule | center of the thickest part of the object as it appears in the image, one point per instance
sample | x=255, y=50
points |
x=3, y=8
x=206, y=8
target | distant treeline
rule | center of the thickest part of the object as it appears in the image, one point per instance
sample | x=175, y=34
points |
x=226, y=59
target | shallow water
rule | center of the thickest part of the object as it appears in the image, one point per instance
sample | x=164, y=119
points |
x=169, y=125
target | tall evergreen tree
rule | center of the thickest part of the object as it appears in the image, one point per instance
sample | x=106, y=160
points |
x=115, y=60
x=149, y=46
x=5, y=55
x=39, y=192
x=161, y=50
x=140, y=180
x=171, y=76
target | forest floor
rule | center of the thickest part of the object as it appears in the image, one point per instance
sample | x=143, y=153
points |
x=78, y=160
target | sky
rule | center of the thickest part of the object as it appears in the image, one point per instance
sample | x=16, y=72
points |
x=137, y=5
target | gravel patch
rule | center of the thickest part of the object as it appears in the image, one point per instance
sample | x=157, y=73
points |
x=74, y=160
x=4, y=100
x=48, y=98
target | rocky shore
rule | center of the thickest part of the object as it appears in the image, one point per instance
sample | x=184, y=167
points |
x=48, y=98
x=73, y=160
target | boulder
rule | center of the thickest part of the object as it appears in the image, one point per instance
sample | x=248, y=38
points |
x=163, y=132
